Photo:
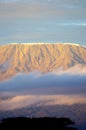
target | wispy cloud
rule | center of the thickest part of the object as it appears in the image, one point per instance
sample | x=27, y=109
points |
x=58, y=10
x=40, y=100
x=46, y=17
x=71, y=24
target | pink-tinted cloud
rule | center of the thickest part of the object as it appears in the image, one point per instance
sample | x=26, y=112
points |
x=39, y=100
x=13, y=10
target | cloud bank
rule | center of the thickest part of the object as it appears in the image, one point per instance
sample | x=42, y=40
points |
x=40, y=100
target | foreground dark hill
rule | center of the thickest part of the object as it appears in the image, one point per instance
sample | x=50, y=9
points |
x=37, y=123
x=24, y=58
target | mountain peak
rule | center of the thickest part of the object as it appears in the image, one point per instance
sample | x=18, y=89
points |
x=41, y=43
x=20, y=58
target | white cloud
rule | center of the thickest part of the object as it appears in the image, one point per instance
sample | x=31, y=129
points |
x=74, y=24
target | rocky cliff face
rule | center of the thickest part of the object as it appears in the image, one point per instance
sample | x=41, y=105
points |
x=23, y=58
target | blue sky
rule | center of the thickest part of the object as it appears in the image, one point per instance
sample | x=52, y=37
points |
x=43, y=21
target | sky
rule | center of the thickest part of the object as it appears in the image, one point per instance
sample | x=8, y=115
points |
x=43, y=21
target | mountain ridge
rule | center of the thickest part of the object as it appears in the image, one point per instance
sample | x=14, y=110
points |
x=25, y=58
